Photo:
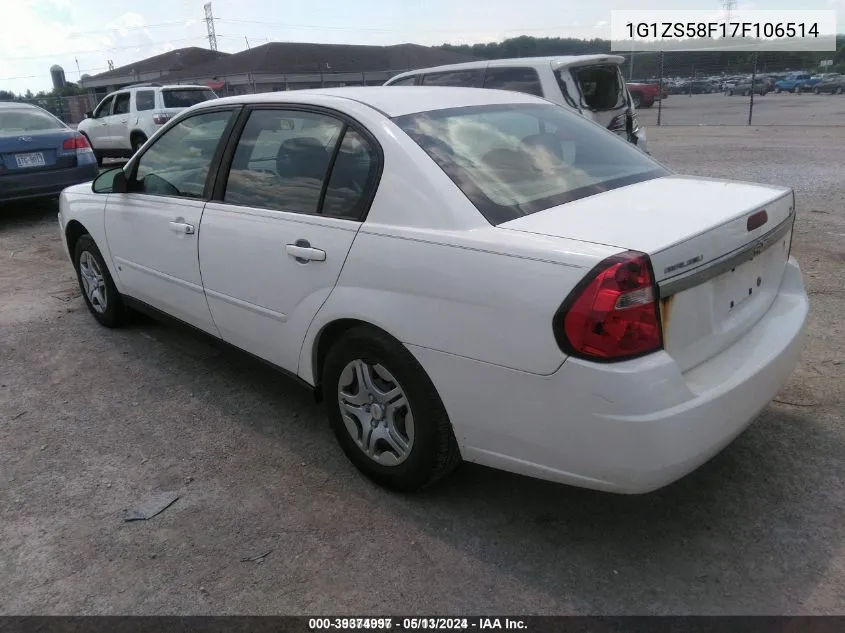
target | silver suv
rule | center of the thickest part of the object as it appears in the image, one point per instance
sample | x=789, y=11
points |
x=123, y=121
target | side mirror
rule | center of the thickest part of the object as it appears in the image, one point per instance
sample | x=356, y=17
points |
x=111, y=181
x=89, y=115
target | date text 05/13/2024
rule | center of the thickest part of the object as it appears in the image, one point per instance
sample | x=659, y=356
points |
x=416, y=624
x=677, y=30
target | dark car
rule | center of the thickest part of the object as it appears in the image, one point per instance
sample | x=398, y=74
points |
x=831, y=85
x=761, y=87
x=698, y=88
x=39, y=154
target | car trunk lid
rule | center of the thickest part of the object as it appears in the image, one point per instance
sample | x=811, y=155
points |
x=717, y=261
x=32, y=151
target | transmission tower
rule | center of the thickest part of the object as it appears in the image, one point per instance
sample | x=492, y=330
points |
x=209, y=24
x=729, y=6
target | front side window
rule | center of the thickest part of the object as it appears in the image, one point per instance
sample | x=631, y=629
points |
x=514, y=160
x=514, y=79
x=186, y=97
x=145, y=100
x=104, y=109
x=407, y=81
x=121, y=103
x=601, y=87
x=460, y=78
x=178, y=162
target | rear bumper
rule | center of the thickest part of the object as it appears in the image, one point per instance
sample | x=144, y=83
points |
x=44, y=184
x=629, y=427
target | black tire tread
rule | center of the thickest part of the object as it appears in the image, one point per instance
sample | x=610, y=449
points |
x=116, y=313
x=447, y=453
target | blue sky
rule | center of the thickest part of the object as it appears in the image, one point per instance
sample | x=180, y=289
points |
x=39, y=33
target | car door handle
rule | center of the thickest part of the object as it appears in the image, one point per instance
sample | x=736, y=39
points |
x=303, y=252
x=182, y=227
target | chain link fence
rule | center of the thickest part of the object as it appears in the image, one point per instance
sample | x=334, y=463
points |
x=755, y=89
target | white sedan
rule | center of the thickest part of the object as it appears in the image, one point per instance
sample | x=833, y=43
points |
x=462, y=274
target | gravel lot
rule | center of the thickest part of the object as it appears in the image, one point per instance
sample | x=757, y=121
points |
x=774, y=109
x=94, y=421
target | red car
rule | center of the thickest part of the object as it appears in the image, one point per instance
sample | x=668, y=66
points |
x=644, y=95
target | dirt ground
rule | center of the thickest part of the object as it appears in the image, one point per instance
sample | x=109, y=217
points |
x=94, y=421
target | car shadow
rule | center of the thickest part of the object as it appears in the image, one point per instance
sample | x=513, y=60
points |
x=752, y=531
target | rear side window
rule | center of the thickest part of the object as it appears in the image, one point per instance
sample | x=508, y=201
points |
x=407, y=81
x=514, y=79
x=145, y=100
x=121, y=103
x=461, y=78
x=353, y=176
x=185, y=97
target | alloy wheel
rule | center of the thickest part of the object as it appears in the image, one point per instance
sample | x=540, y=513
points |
x=93, y=282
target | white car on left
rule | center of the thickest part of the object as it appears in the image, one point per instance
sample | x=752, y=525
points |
x=124, y=120
x=461, y=274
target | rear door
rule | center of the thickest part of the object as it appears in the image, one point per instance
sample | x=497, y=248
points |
x=152, y=231
x=273, y=242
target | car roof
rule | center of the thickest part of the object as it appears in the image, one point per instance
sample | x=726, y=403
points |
x=392, y=101
x=555, y=61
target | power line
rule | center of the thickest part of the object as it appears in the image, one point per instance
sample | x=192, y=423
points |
x=102, y=50
x=378, y=30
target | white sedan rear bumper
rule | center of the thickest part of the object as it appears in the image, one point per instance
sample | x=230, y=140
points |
x=627, y=427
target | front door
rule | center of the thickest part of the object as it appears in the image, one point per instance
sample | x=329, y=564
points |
x=152, y=231
x=273, y=245
x=118, y=122
x=97, y=127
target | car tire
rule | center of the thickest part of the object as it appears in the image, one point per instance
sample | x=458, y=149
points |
x=730, y=93
x=815, y=91
x=137, y=141
x=359, y=369
x=104, y=302
x=777, y=91
x=839, y=90
x=797, y=90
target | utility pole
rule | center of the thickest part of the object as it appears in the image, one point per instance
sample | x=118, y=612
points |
x=247, y=43
x=209, y=25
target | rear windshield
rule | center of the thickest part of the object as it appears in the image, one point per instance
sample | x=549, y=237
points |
x=601, y=87
x=516, y=159
x=186, y=97
x=26, y=120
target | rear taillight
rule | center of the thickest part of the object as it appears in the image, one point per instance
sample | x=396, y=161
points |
x=75, y=142
x=80, y=145
x=161, y=118
x=612, y=314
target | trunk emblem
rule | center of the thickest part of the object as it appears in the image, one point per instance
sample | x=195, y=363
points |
x=25, y=139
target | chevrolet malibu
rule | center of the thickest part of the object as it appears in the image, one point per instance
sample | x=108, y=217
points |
x=460, y=274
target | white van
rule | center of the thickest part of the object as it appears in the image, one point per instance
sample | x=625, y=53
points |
x=591, y=84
